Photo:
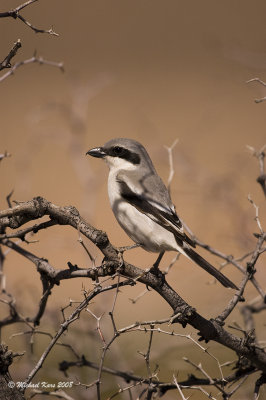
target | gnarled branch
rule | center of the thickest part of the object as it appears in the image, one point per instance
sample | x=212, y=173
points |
x=184, y=313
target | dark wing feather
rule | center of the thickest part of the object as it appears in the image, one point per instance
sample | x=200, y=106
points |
x=156, y=211
x=167, y=218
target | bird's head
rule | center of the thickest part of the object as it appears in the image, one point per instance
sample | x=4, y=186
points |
x=122, y=154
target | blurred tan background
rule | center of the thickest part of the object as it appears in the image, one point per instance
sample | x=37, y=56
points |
x=153, y=71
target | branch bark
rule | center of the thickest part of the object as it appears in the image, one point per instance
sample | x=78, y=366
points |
x=6, y=63
x=183, y=312
x=8, y=388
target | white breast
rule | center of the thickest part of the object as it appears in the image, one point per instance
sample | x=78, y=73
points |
x=139, y=227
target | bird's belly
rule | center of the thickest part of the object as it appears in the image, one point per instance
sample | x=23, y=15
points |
x=142, y=229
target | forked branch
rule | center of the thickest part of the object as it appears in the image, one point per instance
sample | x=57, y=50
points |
x=183, y=313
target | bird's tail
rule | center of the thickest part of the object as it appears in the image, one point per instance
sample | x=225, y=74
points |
x=190, y=253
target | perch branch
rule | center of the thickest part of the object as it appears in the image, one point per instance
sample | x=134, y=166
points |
x=184, y=313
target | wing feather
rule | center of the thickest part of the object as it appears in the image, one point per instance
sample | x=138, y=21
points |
x=163, y=216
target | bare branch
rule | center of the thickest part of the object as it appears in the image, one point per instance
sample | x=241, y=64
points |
x=6, y=63
x=260, y=155
x=72, y=318
x=256, y=80
x=15, y=13
x=256, y=214
x=60, y=394
x=2, y=275
x=261, y=82
x=20, y=234
x=250, y=270
x=134, y=301
x=184, y=313
x=212, y=382
x=261, y=381
x=34, y=59
x=160, y=386
x=228, y=258
x=98, y=319
x=179, y=389
x=171, y=164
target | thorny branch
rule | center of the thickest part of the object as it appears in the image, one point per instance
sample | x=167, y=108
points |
x=228, y=259
x=261, y=82
x=59, y=394
x=260, y=155
x=171, y=166
x=15, y=13
x=184, y=314
x=6, y=63
x=64, y=326
x=158, y=385
x=35, y=59
x=251, y=354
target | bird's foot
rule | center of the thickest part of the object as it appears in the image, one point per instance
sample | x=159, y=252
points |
x=157, y=262
x=155, y=270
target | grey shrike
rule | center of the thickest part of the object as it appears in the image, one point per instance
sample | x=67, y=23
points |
x=141, y=203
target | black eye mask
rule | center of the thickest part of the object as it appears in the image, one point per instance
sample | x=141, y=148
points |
x=121, y=152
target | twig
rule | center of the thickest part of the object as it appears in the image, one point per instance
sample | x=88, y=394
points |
x=242, y=381
x=6, y=63
x=261, y=381
x=256, y=80
x=260, y=82
x=260, y=155
x=171, y=164
x=72, y=318
x=160, y=386
x=167, y=269
x=8, y=197
x=184, y=313
x=250, y=270
x=122, y=390
x=256, y=214
x=14, y=13
x=179, y=389
x=60, y=394
x=228, y=258
x=147, y=354
x=2, y=275
x=111, y=313
x=20, y=234
x=139, y=296
x=34, y=59
x=212, y=382
x=179, y=386
x=234, y=300
x=98, y=319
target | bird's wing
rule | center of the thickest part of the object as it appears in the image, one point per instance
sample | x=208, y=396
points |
x=163, y=215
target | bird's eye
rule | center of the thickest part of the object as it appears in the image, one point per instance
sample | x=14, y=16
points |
x=117, y=150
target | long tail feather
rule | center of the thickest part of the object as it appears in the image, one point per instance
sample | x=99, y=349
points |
x=190, y=253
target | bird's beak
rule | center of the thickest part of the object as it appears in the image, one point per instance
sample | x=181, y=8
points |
x=97, y=152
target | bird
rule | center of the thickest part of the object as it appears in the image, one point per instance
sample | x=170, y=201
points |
x=142, y=204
